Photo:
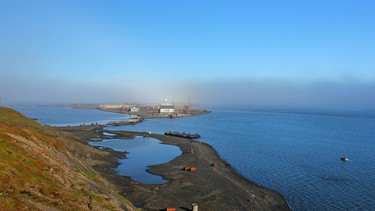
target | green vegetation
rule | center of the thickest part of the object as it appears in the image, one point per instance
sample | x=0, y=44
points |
x=10, y=117
x=39, y=172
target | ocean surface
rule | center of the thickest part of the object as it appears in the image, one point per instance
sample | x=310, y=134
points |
x=62, y=116
x=295, y=153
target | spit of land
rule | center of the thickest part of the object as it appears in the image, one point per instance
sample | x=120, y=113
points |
x=198, y=176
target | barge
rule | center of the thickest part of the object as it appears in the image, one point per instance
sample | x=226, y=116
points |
x=182, y=135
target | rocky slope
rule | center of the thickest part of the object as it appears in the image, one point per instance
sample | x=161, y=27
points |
x=43, y=169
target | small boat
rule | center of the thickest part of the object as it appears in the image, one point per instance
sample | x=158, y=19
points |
x=182, y=135
x=344, y=159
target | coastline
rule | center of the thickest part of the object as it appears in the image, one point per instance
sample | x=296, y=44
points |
x=143, y=111
x=215, y=185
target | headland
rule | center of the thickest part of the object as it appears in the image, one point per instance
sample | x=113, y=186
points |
x=198, y=176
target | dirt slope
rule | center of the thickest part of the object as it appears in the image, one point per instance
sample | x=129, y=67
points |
x=43, y=169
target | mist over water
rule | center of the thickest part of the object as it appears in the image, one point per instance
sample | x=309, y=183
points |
x=303, y=75
x=322, y=94
x=344, y=95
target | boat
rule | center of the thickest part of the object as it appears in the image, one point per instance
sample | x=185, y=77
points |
x=182, y=135
x=193, y=136
x=131, y=121
x=344, y=159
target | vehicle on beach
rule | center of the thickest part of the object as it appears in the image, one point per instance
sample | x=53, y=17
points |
x=182, y=135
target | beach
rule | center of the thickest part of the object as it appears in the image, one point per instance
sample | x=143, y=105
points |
x=198, y=176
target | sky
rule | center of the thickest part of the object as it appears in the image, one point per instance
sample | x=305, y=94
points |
x=313, y=53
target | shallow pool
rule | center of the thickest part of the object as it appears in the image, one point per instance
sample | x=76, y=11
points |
x=143, y=152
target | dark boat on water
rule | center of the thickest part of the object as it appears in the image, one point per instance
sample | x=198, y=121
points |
x=182, y=135
x=344, y=159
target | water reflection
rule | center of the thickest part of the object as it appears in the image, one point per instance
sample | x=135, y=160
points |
x=143, y=152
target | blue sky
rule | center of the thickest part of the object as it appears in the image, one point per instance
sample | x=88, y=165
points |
x=274, y=53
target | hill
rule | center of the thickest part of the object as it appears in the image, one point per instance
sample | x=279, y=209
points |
x=42, y=168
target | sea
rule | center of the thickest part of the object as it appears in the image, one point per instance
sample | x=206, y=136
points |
x=294, y=152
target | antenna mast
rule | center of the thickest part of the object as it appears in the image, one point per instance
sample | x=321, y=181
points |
x=189, y=98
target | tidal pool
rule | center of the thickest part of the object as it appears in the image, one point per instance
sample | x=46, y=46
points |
x=143, y=152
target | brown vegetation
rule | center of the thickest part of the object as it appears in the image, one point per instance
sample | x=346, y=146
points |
x=42, y=169
x=45, y=168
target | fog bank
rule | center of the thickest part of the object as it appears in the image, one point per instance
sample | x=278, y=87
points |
x=345, y=94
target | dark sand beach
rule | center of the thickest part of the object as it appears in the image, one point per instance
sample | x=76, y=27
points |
x=198, y=176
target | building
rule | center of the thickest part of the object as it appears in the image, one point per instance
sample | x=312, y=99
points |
x=134, y=109
x=123, y=107
x=166, y=107
x=111, y=106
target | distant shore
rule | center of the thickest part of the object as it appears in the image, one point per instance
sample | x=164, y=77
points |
x=198, y=175
x=150, y=113
x=146, y=111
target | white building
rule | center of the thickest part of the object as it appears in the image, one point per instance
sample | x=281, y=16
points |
x=166, y=107
x=111, y=106
x=134, y=109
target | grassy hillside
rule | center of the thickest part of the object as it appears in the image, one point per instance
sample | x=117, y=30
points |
x=43, y=169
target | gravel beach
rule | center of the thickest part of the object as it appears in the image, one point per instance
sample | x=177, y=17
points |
x=198, y=176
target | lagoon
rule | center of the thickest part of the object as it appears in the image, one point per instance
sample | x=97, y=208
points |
x=143, y=152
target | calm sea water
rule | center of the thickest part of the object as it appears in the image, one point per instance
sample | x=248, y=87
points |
x=62, y=116
x=296, y=154
x=143, y=152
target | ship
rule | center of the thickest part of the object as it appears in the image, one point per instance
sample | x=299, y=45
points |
x=182, y=135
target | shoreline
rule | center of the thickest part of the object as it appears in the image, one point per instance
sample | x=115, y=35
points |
x=213, y=185
x=142, y=111
x=152, y=114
